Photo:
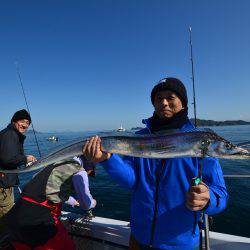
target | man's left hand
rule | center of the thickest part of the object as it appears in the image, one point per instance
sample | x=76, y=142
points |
x=197, y=197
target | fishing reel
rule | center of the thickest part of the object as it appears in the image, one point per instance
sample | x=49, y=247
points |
x=205, y=144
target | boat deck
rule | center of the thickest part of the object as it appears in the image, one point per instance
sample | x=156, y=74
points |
x=108, y=234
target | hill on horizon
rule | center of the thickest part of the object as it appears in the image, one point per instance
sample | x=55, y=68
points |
x=202, y=122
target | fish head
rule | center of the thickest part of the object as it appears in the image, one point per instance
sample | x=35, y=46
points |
x=225, y=149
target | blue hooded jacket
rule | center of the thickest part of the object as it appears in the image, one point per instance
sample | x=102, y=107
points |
x=159, y=217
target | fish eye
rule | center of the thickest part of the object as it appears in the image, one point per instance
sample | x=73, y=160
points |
x=228, y=146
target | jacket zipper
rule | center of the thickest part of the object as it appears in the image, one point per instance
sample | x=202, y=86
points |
x=156, y=194
x=155, y=208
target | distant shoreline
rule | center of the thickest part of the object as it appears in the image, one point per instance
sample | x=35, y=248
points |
x=212, y=123
x=201, y=122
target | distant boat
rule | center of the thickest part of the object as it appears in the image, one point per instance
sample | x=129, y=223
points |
x=52, y=138
x=121, y=129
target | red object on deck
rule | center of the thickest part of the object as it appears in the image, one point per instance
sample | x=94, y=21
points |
x=61, y=241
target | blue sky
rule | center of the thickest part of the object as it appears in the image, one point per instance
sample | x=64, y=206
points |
x=91, y=65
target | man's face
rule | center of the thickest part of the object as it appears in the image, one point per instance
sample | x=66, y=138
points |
x=167, y=104
x=22, y=125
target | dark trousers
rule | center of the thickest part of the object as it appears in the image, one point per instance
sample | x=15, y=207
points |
x=135, y=245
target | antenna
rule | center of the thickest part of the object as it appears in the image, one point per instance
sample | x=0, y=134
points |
x=192, y=63
x=21, y=83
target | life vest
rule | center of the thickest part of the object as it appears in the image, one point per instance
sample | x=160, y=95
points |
x=55, y=209
x=61, y=241
x=59, y=184
x=47, y=189
x=53, y=183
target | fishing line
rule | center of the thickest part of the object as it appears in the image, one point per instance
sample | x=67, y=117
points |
x=21, y=83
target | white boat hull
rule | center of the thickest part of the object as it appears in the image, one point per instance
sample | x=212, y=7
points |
x=108, y=234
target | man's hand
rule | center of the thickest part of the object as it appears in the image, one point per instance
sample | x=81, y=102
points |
x=197, y=197
x=31, y=158
x=92, y=150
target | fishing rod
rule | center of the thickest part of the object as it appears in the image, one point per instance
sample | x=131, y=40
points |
x=192, y=64
x=198, y=179
x=21, y=83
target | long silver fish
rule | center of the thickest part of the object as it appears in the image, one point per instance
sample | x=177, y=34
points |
x=196, y=143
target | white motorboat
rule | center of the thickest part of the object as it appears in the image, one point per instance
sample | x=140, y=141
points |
x=120, y=129
x=53, y=138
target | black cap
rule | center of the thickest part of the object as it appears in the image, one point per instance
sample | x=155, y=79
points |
x=20, y=115
x=171, y=84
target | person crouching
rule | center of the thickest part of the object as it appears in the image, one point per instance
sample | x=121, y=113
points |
x=33, y=222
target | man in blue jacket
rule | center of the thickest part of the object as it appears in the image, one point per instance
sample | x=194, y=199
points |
x=165, y=209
